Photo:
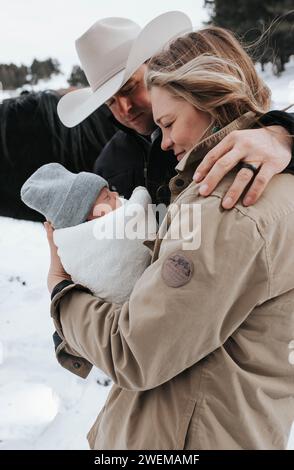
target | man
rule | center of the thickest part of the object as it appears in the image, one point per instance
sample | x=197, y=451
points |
x=133, y=156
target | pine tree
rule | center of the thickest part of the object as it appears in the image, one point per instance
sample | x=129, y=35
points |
x=44, y=69
x=248, y=19
x=77, y=77
x=12, y=76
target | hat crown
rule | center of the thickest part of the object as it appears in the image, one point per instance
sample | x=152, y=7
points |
x=104, y=48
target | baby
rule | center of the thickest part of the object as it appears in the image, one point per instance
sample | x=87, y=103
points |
x=82, y=209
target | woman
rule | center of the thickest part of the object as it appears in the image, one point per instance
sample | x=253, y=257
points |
x=199, y=354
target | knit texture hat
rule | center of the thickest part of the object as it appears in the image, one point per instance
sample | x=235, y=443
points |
x=63, y=197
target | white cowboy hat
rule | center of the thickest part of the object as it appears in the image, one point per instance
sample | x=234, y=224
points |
x=110, y=52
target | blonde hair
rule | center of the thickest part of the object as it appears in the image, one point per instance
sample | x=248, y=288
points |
x=211, y=70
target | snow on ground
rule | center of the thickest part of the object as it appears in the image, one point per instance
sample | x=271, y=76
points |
x=56, y=82
x=282, y=87
x=43, y=406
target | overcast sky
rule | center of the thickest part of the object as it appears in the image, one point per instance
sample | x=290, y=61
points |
x=42, y=28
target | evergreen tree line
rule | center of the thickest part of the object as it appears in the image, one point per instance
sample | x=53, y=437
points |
x=266, y=25
x=13, y=76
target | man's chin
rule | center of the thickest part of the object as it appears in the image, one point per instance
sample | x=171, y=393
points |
x=143, y=130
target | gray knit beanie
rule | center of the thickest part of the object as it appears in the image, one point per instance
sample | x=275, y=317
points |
x=64, y=198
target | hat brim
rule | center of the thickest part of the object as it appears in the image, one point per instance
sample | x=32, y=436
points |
x=77, y=105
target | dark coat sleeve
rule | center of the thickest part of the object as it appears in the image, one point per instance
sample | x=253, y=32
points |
x=286, y=120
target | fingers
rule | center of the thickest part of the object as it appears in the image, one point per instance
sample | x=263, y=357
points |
x=243, y=177
x=49, y=231
x=255, y=146
x=48, y=227
x=212, y=157
x=218, y=171
x=259, y=184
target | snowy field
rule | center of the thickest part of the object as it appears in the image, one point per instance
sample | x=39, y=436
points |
x=43, y=406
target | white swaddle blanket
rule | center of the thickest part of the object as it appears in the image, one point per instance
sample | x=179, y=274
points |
x=100, y=255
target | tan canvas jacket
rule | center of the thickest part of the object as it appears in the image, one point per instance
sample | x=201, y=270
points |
x=200, y=355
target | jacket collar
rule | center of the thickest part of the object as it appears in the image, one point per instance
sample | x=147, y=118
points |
x=186, y=167
x=198, y=152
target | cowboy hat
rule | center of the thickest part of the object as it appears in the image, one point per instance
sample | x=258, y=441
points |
x=110, y=52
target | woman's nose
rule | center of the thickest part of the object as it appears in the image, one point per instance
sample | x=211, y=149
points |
x=166, y=143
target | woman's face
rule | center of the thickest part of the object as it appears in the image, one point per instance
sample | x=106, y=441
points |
x=181, y=123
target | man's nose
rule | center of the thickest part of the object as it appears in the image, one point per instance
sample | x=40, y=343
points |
x=124, y=105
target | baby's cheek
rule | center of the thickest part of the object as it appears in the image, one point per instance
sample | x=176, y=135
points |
x=117, y=203
x=102, y=209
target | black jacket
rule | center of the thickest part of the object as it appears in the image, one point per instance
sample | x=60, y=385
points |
x=129, y=160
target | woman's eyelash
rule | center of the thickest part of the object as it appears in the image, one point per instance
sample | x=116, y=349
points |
x=167, y=125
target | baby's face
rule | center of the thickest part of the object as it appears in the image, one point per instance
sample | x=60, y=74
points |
x=107, y=201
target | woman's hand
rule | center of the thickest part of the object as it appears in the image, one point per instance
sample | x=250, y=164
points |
x=56, y=271
x=268, y=149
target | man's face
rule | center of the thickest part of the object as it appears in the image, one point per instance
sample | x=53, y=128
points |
x=131, y=105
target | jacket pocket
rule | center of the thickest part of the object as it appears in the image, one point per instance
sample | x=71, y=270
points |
x=184, y=424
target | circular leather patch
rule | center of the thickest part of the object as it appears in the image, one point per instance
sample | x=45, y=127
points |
x=177, y=270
